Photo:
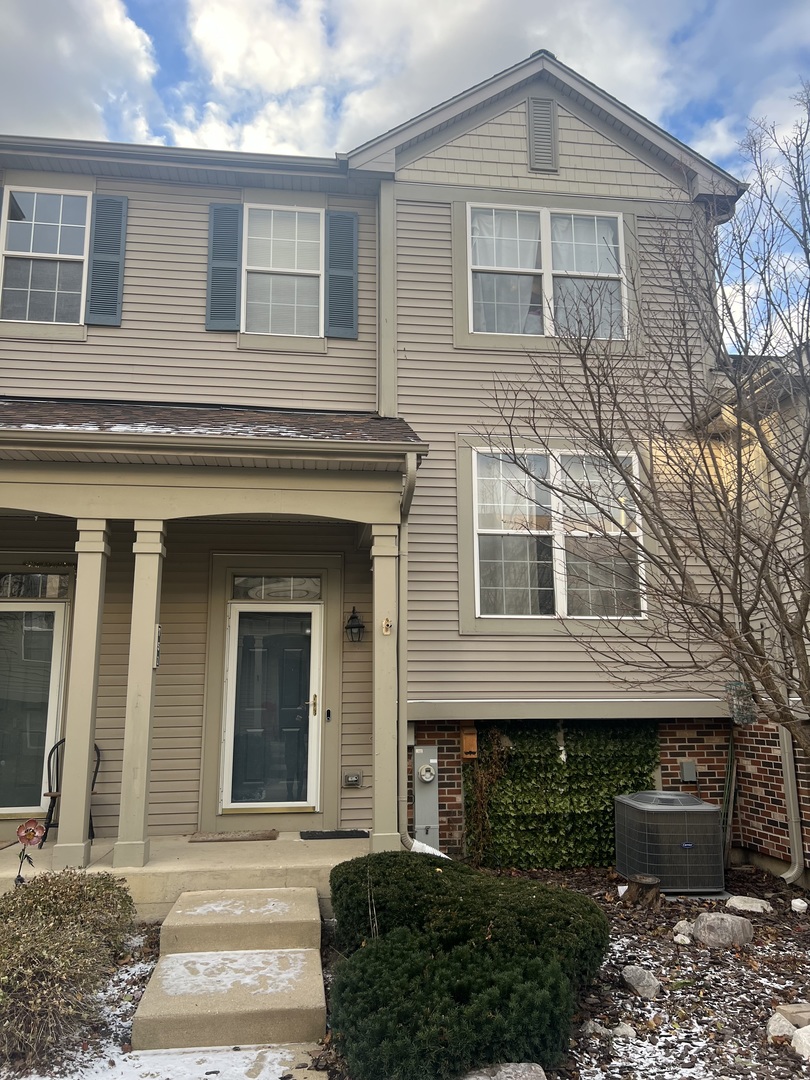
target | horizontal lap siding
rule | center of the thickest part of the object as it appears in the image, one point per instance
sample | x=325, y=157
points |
x=162, y=352
x=443, y=391
x=356, y=736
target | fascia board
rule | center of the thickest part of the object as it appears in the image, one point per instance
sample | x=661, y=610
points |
x=221, y=446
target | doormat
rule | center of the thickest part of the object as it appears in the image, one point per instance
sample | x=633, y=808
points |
x=232, y=837
x=336, y=834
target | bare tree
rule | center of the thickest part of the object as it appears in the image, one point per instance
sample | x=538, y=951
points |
x=675, y=444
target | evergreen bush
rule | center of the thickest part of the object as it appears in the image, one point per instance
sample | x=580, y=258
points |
x=451, y=968
x=406, y=1008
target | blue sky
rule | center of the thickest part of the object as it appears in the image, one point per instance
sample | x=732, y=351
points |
x=316, y=76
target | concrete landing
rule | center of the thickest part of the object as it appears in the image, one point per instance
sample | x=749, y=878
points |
x=232, y=998
x=227, y=919
x=236, y=967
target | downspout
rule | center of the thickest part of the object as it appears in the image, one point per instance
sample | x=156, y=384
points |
x=408, y=488
x=794, y=822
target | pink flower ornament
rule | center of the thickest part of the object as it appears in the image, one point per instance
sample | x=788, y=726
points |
x=29, y=834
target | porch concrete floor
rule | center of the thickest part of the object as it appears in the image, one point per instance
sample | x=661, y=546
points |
x=176, y=866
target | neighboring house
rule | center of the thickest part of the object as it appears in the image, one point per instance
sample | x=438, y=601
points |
x=242, y=399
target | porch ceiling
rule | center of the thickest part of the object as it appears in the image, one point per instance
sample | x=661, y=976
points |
x=139, y=433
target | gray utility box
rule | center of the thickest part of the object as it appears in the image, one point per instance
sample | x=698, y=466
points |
x=673, y=836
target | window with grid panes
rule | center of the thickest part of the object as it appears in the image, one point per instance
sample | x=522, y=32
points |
x=543, y=272
x=283, y=268
x=554, y=538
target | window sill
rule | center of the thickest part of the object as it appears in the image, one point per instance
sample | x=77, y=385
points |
x=547, y=626
x=43, y=331
x=280, y=343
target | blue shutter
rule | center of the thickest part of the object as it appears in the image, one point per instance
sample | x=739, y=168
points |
x=105, y=276
x=341, y=274
x=224, y=266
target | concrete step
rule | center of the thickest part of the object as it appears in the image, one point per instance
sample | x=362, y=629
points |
x=235, y=919
x=232, y=998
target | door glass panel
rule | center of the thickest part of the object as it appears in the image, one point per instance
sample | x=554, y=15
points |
x=271, y=712
x=26, y=657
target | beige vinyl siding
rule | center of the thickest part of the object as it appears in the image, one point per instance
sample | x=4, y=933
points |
x=162, y=352
x=495, y=155
x=356, y=744
x=444, y=391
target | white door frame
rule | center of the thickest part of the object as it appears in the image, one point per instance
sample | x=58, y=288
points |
x=315, y=611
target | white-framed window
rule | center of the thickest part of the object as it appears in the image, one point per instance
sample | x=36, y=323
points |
x=535, y=271
x=283, y=271
x=45, y=236
x=553, y=538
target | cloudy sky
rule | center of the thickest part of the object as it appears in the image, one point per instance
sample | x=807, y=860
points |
x=315, y=76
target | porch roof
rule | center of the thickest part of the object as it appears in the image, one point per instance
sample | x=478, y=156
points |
x=174, y=433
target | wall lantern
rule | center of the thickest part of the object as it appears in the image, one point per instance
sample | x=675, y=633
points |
x=354, y=626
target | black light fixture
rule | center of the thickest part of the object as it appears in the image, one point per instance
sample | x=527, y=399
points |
x=354, y=626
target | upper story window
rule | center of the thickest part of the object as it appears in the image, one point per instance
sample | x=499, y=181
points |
x=45, y=242
x=537, y=271
x=286, y=273
x=283, y=271
x=556, y=550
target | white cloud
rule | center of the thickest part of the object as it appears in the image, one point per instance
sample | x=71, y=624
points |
x=66, y=64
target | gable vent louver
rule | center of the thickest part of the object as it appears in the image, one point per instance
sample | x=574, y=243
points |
x=542, y=134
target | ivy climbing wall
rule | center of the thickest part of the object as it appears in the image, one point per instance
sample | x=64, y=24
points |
x=541, y=794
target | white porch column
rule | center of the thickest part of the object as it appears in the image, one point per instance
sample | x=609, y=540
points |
x=384, y=554
x=73, y=846
x=132, y=846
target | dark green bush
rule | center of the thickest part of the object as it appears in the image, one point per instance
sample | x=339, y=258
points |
x=406, y=1008
x=374, y=894
x=58, y=937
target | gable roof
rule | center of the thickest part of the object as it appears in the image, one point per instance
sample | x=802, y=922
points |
x=707, y=179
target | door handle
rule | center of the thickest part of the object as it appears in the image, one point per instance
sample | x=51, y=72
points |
x=314, y=704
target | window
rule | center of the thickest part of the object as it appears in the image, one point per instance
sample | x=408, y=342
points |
x=553, y=538
x=45, y=237
x=282, y=272
x=541, y=272
x=61, y=257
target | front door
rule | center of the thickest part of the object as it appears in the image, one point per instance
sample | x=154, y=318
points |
x=272, y=723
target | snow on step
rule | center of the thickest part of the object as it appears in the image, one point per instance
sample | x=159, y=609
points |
x=231, y=998
x=237, y=967
x=238, y=919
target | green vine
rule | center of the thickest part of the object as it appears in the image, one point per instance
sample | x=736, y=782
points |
x=541, y=794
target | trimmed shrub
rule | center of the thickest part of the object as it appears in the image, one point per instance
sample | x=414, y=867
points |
x=374, y=894
x=59, y=934
x=47, y=978
x=405, y=1008
x=99, y=903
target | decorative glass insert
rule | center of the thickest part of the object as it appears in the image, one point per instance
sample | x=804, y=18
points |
x=15, y=586
x=44, y=243
x=283, y=272
x=260, y=587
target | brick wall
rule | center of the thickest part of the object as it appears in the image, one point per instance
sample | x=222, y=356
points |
x=447, y=737
x=760, y=819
